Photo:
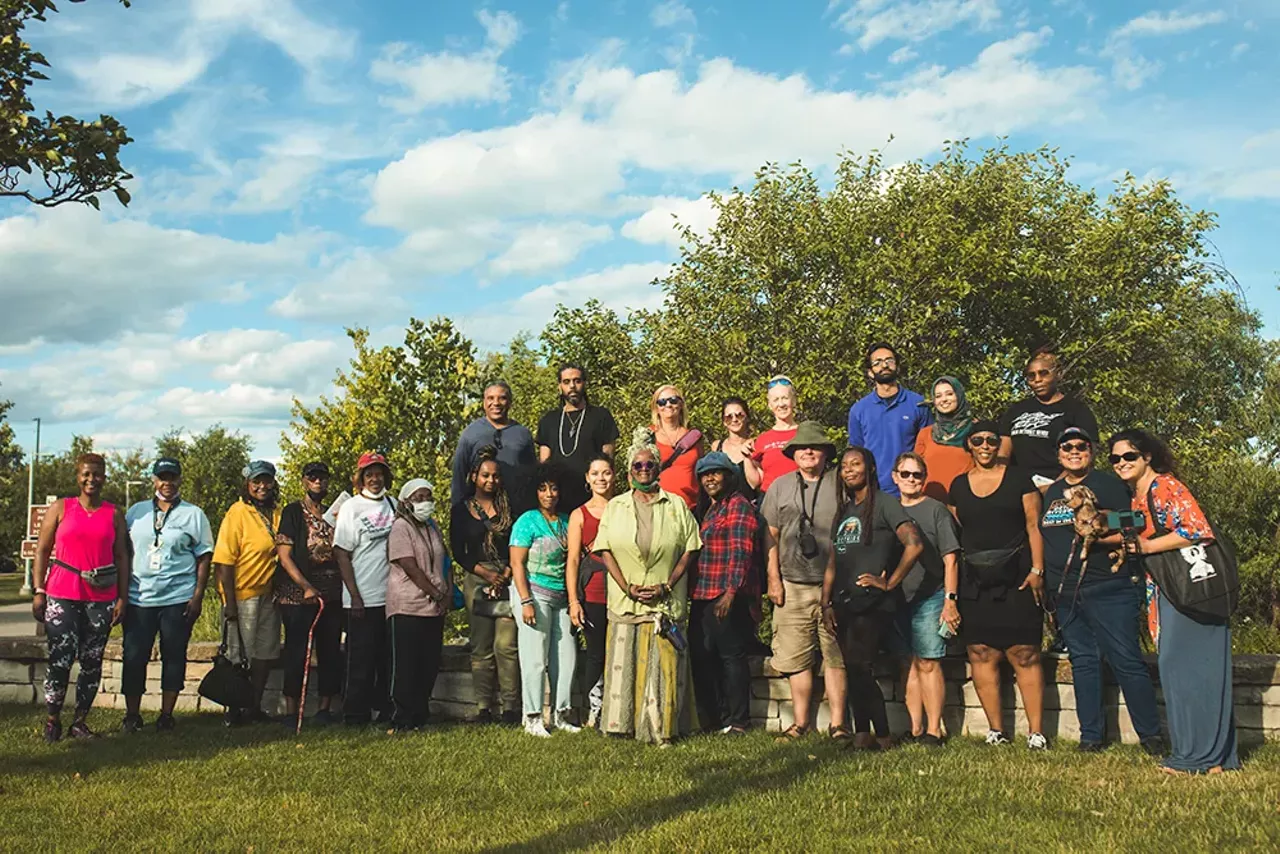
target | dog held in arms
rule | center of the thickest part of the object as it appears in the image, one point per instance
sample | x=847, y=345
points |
x=1089, y=524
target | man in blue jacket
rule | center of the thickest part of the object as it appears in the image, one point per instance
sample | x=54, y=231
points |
x=886, y=421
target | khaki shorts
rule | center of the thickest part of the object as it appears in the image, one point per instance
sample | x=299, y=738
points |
x=799, y=634
x=260, y=627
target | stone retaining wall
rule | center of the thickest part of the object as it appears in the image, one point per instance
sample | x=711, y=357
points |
x=1256, y=681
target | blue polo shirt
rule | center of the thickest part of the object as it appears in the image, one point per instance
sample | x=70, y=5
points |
x=887, y=426
x=186, y=535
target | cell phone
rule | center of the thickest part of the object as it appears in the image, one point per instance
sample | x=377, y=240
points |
x=1124, y=520
x=945, y=631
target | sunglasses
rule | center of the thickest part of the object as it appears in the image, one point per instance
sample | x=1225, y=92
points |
x=777, y=381
x=1127, y=456
x=669, y=401
x=644, y=465
x=497, y=440
x=734, y=416
x=1073, y=447
x=989, y=441
x=910, y=475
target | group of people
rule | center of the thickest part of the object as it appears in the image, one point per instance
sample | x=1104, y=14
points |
x=931, y=524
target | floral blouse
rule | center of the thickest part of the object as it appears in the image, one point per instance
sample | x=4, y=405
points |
x=1176, y=510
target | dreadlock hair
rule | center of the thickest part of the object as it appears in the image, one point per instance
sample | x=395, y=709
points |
x=499, y=525
x=867, y=514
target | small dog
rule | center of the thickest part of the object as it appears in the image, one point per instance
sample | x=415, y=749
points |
x=1088, y=523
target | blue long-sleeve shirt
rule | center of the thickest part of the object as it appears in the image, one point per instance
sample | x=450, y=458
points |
x=887, y=426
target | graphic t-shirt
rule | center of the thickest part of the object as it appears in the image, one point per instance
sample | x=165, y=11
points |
x=768, y=455
x=868, y=547
x=940, y=538
x=165, y=549
x=1058, y=531
x=548, y=545
x=362, y=530
x=1034, y=428
x=574, y=438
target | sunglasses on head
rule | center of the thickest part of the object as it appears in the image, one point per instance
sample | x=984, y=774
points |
x=1127, y=456
x=669, y=401
x=911, y=475
x=989, y=441
x=777, y=381
x=1071, y=447
x=644, y=465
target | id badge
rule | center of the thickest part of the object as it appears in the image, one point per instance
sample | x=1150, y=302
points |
x=154, y=559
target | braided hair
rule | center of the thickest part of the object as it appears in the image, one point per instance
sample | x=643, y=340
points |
x=499, y=525
x=867, y=514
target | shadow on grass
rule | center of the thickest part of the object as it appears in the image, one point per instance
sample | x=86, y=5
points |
x=715, y=783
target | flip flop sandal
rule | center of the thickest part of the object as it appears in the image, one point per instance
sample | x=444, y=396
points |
x=794, y=732
x=840, y=733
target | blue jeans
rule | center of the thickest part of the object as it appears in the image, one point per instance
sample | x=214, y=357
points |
x=141, y=625
x=1102, y=621
x=915, y=628
x=549, y=649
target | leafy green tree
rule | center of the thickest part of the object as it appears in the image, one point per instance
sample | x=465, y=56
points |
x=212, y=467
x=13, y=487
x=50, y=160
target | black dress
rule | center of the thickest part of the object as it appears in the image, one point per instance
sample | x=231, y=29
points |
x=997, y=558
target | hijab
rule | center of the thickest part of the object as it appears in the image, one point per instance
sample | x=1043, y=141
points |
x=953, y=429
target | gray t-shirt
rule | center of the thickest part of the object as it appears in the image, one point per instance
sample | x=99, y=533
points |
x=782, y=510
x=516, y=454
x=939, y=529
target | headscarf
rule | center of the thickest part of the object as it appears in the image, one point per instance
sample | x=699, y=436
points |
x=410, y=511
x=642, y=439
x=953, y=429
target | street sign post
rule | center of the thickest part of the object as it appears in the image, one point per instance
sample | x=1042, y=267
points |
x=35, y=517
x=28, y=549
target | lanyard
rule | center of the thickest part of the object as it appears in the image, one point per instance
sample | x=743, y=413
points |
x=157, y=521
x=806, y=517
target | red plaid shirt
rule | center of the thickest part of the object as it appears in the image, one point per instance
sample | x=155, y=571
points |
x=727, y=559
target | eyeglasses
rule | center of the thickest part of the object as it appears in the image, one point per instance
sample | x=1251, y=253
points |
x=669, y=401
x=1074, y=447
x=734, y=416
x=1127, y=456
x=497, y=439
x=884, y=363
x=777, y=381
x=644, y=465
x=979, y=441
x=910, y=475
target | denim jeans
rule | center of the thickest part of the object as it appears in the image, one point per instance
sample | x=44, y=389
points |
x=718, y=655
x=141, y=625
x=1102, y=621
x=548, y=648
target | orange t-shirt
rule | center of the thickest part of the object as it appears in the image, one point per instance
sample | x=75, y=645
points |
x=945, y=464
x=680, y=478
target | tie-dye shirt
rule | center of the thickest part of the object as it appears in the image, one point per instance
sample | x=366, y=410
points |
x=1176, y=510
x=547, y=543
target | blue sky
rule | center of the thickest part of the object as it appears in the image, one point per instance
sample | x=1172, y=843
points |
x=305, y=165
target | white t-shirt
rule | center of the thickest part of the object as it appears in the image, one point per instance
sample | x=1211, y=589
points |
x=362, y=529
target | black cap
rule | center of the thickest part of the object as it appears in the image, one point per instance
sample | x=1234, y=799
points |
x=315, y=470
x=166, y=465
x=1075, y=433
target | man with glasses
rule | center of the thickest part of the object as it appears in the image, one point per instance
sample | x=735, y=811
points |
x=1097, y=610
x=1030, y=427
x=573, y=433
x=513, y=442
x=886, y=421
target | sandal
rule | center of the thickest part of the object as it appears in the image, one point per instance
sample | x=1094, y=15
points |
x=795, y=732
x=840, y=733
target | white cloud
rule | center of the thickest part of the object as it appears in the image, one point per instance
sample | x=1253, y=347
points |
x=901, y=55
x=876, y=21
x=658, y=225
x=1130, y=69
x=238, y=400
x=294, y=366
x=501, y=29
x=672, y=13
x=547, y=246
x=1167, y=24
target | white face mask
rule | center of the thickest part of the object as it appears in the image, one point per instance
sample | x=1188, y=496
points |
x=374, y=496
x=424, y=510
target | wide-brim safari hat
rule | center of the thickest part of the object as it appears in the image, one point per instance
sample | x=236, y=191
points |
x=809, y=434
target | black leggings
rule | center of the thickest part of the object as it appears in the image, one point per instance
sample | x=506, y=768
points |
x=593, y=660
x=859, y=638
x=328, y=639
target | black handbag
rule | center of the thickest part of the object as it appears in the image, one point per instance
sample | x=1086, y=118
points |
x=1201, y=580
x=228, y=683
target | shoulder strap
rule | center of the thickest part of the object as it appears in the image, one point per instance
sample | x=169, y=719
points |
x=1151, y=508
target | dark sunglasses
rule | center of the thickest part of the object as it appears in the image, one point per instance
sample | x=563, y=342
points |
x=911, y=475
x=497, y=440
x=734, y=416
x=669, y=401
x=1127, y=456
x=979, y=441
x=1072, y=447
x=644, y=465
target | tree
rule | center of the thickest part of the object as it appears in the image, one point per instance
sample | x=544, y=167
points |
x=55, y=159
x=13, y=487
x=212, y=467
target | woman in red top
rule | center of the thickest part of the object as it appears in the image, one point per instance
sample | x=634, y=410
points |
x=588, y=603
x=769, y=445
x=670, y=426
x=942, y=443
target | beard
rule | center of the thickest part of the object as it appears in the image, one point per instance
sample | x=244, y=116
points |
x=886, y=376
x=574, y=398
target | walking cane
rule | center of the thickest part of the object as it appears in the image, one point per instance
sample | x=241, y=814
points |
x=306, y=666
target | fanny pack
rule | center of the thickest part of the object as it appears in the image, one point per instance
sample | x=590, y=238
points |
x=100, y=577
x=994, y=567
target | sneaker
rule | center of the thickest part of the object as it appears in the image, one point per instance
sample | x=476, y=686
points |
x=132, y=724
x=511, y=717
x=258, y=716
x=1037, y=741
x=81, y=732
x=928, y=740
x=52, y=731
x=733, y=731
x=534, y=726
x=563, y=725
x=324, y=717
x=1153, y=745
x=1058, y=649
x=484, y=716
x=165, y=723
x=996, y=737
x=232, y=717
x=1090, y=747
x=384, y=718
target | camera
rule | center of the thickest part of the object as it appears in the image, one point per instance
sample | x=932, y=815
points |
x=1124, y=520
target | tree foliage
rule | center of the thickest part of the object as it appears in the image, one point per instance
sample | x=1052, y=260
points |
x=50, y=160
x=13, y=486
x=212, y=467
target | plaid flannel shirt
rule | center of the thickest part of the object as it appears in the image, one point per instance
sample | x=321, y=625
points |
x=727, y=559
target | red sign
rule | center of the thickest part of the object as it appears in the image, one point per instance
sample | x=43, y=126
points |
x=35, y=519
x=28, y=549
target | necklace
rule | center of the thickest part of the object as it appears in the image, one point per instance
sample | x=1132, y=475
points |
x=574, y=432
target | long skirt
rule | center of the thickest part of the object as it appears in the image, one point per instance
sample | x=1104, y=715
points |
x=1195, y=675
x=646, y=685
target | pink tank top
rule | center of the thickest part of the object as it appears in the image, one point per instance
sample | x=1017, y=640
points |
x=86, y=541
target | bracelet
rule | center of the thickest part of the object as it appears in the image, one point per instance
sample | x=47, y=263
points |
x=39, y=591
x=1035, y=570
x=528, y=601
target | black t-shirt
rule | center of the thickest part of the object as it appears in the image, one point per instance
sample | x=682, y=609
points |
x=996, y=522
x=855, y=556
x=1059, y=534
x=574, y=438
x=1034, y=428
x=467, y=536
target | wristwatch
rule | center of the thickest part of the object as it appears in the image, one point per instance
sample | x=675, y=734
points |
x=953, y=597
x=1035, y=570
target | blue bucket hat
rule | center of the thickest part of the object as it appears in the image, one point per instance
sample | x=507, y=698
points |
x=714, y=461
x=257, y=468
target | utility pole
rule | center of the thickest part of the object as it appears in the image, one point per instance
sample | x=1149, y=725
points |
x=127, y=484
x=31, y=492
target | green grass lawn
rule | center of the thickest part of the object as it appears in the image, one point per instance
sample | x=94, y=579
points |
x=10, y=584
x=469, y=788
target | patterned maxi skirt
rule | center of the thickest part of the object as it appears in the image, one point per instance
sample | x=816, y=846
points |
x=646, y=684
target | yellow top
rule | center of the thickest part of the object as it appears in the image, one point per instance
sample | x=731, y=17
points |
x=245, y=542
x=675, y=532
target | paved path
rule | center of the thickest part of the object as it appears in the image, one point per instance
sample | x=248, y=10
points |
x=16, y=621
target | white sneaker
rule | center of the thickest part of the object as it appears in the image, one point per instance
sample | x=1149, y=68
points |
x=1037, y=741
x=995, y=737
x=563, y=725
x=534, y=726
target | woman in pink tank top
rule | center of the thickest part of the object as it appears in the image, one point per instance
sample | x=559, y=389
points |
x=80, y=574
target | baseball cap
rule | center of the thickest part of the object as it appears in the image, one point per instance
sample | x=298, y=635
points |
x=165, y=465
x=315, y=470
x=371, y=458
x=1075, y=433
x=257, y=468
